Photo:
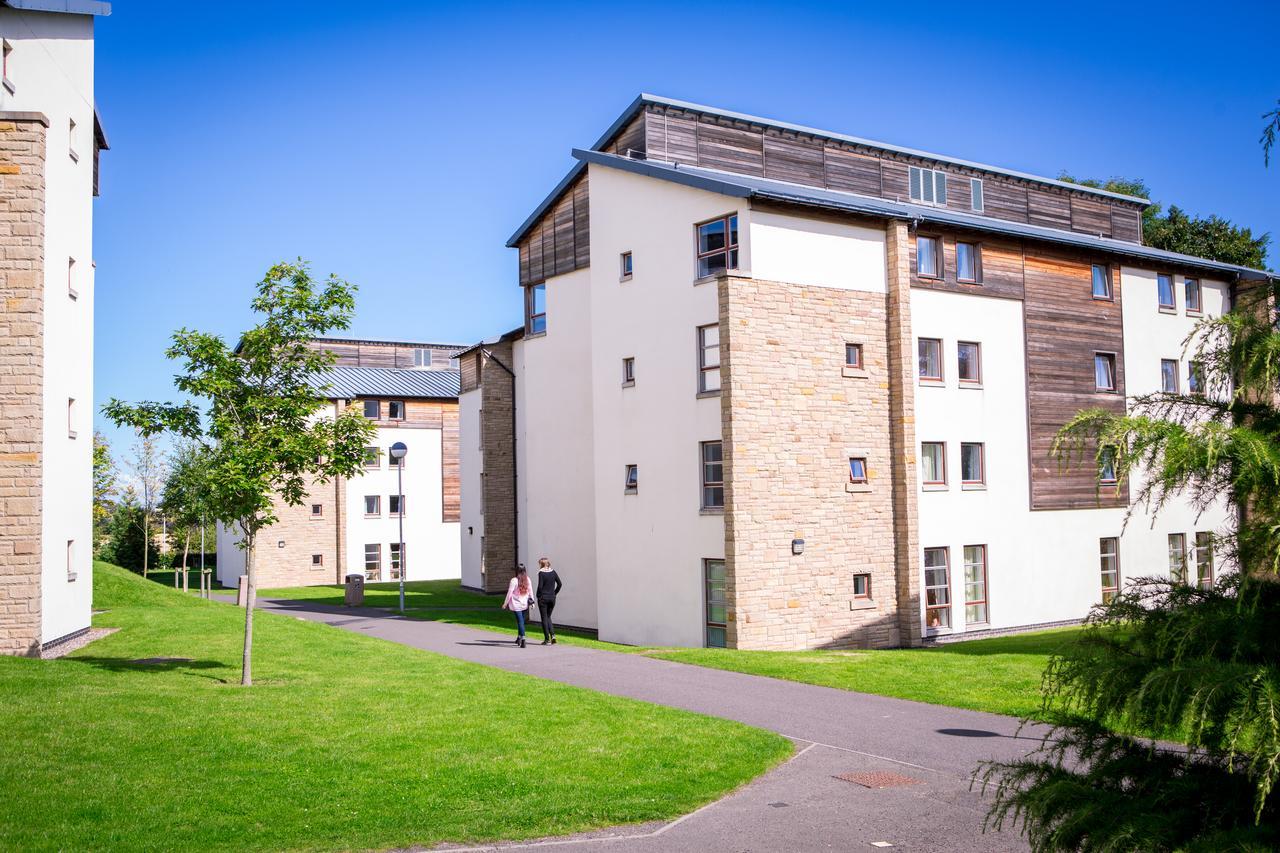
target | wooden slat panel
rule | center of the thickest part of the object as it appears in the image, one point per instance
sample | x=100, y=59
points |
x=582, y=223
x=374, y=355
x=1001, y=266
x=631, y=140
x=523, y=248
x=562, y=215
x=423, y=413
x=893, y=180
x=404, y=356
x=850, y=172
x=469, y=372
x=535, y=256
x=1065, y=326
x=451, y=481
x=548, y=246
x=796, y=160
x=1053, y=210
x=348, y=355
x=679, y=140
x=730, y=148
x=1005, y=201
x=1091, y=216
x=959, y=193
x=1126, y=223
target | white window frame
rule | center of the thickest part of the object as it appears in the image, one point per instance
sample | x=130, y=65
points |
x=704, y=368
x=1109, y=550
x=985, y=601
x=943, y=589
x=927, y=186
x=422, y=357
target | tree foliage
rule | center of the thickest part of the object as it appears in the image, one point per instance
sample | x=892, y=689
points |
x=104, y=488
x=125, y=543
x=261, y=429
x=1269, y=131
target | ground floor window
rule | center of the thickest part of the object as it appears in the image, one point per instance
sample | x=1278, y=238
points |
x=1204, y=559
x=396, y=561
x=975, y=584
x=373, y=562
x=1109, y=555
x=716, y=603
x=937, y=588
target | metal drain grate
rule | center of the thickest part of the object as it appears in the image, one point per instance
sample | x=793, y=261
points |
x=878, y=779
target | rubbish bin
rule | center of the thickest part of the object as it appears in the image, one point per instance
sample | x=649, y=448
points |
x=355, y=591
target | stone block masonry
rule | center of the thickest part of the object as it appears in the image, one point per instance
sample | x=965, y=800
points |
x=22, y=206
x=498, y=482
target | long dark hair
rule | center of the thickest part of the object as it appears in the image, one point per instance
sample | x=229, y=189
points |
x=523, y=586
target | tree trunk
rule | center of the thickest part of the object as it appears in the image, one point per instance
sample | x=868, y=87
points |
x=146, y=541
x=186, y=549
x=246, y=671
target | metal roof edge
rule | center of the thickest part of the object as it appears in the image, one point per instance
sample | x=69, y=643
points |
x=98, y=8
x=514, y=334
x=669, y=172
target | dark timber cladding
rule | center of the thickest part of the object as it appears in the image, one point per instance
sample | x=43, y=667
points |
x=560, y=242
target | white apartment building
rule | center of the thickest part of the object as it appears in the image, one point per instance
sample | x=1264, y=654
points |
x=784, y=388
x=50, y=138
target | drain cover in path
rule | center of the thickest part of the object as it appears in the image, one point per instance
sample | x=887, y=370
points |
x=878, y=779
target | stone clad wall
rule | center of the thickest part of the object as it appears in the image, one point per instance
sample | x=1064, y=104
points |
x=304, y=535
x=792, y=418
x=22, y=207
x=498, y=556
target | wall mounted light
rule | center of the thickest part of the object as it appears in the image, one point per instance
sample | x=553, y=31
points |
x=797, y=546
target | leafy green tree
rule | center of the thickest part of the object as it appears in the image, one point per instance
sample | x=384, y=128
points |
x=262, y=429
x=126, y=544
x=186, y=497
x=149, y=471
x=1164, y=658
x=104, y=488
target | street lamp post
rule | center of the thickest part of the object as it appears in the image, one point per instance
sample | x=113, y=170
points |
x=398, y=451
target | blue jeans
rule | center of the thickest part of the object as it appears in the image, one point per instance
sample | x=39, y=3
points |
x=519, y=622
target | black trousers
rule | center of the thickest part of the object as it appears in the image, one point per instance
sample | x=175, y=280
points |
x=545, y=606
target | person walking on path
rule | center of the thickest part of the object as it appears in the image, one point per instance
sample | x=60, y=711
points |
x=519, y=600
x=548, y=585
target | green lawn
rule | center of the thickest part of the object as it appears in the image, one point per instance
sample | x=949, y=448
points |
x=345, y=742
x=1001, y=674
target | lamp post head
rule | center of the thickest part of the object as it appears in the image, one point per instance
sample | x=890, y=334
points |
x=398, y=450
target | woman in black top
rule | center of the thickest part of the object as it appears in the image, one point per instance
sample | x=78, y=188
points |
x=548, y=585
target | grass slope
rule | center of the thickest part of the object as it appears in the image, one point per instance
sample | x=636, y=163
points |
x=346, y=742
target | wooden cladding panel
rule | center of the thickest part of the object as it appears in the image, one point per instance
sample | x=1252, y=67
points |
x=672, y=138
x=733, y=149
x=894, y=181
x=562, y=237
x=469, y=371
x=1004, y=201
x=1052, y=210
x=1064, y=329
x=560, y=242
x=1091, y=216
x=348, y=355
x=1126, y=223
x=632, y=139
x=1001, y=265
x=798, y=161
x=959, y=194
x=855, y=173
x=451, y=478
x=581, y=225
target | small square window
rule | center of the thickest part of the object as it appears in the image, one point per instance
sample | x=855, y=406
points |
x=862, y=585
x=631, y=481
x=373, y=504
x=395, y=504
x=858, y=470
x=969, y=362
x=1104, y=371
x=1169, y=375
x=933, y=463
x=1192, y=292
x=969, y=263
x=628, y=371
x=928, y=258
x=1164, y=292
x=624, y=263
x=395, y=410
x=317, y=510
x=930, y=359
x=973, y=464
x=372, y=458
x=317, y=560
x=853, y=356
x=1101, y=281
x=372, y=409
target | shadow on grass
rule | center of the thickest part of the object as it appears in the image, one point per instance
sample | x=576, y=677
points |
x=156, y=664
x=1038, y=643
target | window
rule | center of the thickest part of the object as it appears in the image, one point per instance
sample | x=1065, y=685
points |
x=422, y=358
x=1101, y=281
x=624, y=263
x=712, y=475
x=631, y=481
x=372, y=409
x=929, y=351
x=968, y=263
x=928, y=258
x=933, y=463
x=1204, y=560
x=853, y=355
x=317, y=560
x=372, y=562
x=1104, y=371
x=71, y=142
x=628, y=371
x=973, y=469
x=975, y=194
x=1178, y=557
x=969, y=362
x=1109, y=555
x=858, y=470
x=371, y=458
x=717, y=603
x=975, y=584
x=71, y=279
x=1195, y=377
x=1191, y=290
x=71, y=560
x=708, y=359
x=395, y=504
x=1164, y=292
x=71, y=417
x=717, y=246
x=373, y=504
x=535, y=309
x=862, y=585
x=1169, y=375
x=395, y=410
x=317, y=510
x=1107, y=466
x=396, y=561
x=928, y=186
x=937, y=588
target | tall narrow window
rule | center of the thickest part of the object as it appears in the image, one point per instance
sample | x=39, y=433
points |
x=927, y=186
x=933, y=463
x=712, y=475
x=937, y=588
x=71, y=417
x=624, y=264
x=975, y=194
x=395, y=504
x=717, y=603
x=1195, y=377
x=973, y=467
x=717, y=245
x=853, y=355
x=72, y=290
x=1107, y=466
x=71, y=560
x=708, y=358
x=628, y=371
x=1169, y=375
x=397, y=560
x=1192, y=292
x=969, y=362
x=1101, y=281
x=1164, y=292
x=1204, y=560
x=929, y=352
x=631, y=479
x=372, y=562
x=372, y=409
x=1178, y=557
x=975, y=584
x=421, y=357
x=372, y=505
x=1109, y=557
x=395, y=410
x=1104, y=371
x=968, y=263
x=858, y=470
x=928, y=258
x=535, y=309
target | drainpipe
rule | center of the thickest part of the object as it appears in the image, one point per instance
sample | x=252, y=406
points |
x=515, y=459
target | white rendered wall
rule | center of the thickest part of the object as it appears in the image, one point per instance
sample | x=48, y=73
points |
x=471, y=466
x=51, y=67
x=797, y=250
x=231, y=558
x=554, y=447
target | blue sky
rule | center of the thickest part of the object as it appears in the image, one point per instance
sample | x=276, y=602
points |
x=398, y=144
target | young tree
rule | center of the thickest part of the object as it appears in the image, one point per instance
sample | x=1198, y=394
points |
x=149, y=471
x=262, y=427
x=125, y=544
x=104, y=488
x=186, y=496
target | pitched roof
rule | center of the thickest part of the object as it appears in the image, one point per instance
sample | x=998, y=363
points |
x=350, y=382
x=388, y=342
x=747, y=186
x=512, y=335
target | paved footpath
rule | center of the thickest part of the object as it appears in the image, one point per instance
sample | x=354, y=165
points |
x=799, y=806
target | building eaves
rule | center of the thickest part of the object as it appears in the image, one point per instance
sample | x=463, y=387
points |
x=746, y=186
x=389, y=342
x=70, y=7
x=514, y=334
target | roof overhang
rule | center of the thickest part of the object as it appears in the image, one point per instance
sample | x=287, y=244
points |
x=513, y=335
x=69, y=7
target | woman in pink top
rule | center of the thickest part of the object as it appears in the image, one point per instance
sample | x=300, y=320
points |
x=519, y=599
